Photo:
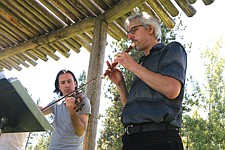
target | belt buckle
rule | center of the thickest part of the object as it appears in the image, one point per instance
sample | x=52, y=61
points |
x=127, y=129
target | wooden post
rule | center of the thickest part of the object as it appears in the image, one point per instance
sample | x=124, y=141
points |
x=95, y=69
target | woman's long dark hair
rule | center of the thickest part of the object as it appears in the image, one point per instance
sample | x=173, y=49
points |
x=57, y=81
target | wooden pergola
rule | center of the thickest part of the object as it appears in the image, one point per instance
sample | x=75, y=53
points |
x=36, y=29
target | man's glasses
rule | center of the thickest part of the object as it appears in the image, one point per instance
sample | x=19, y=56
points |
x=133, y=29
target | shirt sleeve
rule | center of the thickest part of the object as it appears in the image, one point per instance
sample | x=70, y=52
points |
x=87, y=106
x=174, y=63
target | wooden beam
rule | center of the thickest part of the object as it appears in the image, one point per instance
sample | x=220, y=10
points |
x=208, y=2
x=187, y=8
x=28, y=59
x=162, y=13
x=121, y=8
x=58, y=35
x=169, y=6
x=93, y=90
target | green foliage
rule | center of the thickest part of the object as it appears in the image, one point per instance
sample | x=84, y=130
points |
x=207, y=132
x=169, y=35
x=81, y=80
x=43, y=141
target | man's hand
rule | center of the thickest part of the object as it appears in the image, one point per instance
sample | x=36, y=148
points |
x=75, y=101
x=115, y=75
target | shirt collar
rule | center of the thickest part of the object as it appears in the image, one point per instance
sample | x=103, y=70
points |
x=155, y=48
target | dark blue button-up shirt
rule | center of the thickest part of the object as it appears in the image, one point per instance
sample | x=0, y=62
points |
x=147, y=105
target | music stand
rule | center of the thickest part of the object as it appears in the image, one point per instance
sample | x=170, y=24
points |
x=18, y=112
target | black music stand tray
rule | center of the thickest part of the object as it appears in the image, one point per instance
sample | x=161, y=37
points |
x=18, y=112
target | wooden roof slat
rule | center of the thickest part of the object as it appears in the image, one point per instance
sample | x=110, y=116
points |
x=1, y=67
x=9, y=35
x=6, y=65
x=62, y=6
x=13, y=29
x=39, y=54
x=42, y=12
x=72, y=7
x=169, y=6
x=120, y=21
x=46, y=24
x=120, y=9
x=208, y=2
x=13, y=64
x=115, y=35
x=56, y=11
x=193, y=1
x=145, y=7
x=30, y=18
x=46, y=13
x=49, y=48
x=14, y=19
x=188, y=9
x=90, y=33
x=20, y=61
x=49, y=53
x=117, y=29
x=26, y=17
x=4, y=43
x=60, y=50
x=24, y=57
x=62, y=46
x=86, y=37
x=102, y=4
x=82, y=42
x=93, y=7
x=72, y=44
x=12, y=61
x=160, y=11
x=110, y=3
x=87, y=8
x=31, y=54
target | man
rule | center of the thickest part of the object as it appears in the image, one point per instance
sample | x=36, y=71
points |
x=153, y=107
x=70, y=124
x=12, y=141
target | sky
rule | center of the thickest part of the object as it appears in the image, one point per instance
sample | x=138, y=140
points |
x=202, y=30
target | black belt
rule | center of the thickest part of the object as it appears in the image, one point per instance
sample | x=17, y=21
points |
x=143, y=127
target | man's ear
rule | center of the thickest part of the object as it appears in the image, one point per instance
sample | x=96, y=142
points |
x=150, y=30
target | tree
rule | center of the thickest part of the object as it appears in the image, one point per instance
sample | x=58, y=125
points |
x=207, y=132
x=110, y=136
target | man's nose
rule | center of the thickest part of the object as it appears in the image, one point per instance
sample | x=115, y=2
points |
x=67, y=84
x=130, y=36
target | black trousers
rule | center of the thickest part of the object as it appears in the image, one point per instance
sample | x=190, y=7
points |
x=153, y=140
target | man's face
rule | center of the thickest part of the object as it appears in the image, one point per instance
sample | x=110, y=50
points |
x=66, y=83
x=140, y=35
